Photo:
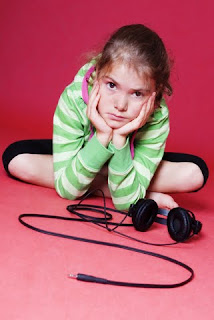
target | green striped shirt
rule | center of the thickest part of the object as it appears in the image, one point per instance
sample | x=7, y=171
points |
x=77, y=159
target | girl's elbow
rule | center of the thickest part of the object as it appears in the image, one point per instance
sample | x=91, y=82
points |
x=67, y=194
x=63, y=194
x=121, y=206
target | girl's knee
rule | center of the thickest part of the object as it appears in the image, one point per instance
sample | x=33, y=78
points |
x=20, y=167
x=200, y=173
x=12, y=151
x=195, y=171
x=196, y=178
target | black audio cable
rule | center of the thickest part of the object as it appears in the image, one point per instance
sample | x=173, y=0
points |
x=91, y=278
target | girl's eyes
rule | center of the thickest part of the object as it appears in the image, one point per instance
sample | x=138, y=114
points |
x=138, y=94
x=111, y=85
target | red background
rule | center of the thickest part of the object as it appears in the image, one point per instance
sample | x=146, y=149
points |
x=43, y=44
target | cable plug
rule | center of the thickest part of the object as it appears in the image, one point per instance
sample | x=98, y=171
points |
x=87, y=278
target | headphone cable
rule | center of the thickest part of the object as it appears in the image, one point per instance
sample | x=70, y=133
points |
x=91, y=278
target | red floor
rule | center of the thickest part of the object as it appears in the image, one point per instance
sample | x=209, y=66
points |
x=34, y=267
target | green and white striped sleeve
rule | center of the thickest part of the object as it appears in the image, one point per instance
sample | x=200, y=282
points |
x=76, y=160
x=129, y=179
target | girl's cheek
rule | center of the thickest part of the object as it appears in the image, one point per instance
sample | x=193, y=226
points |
x=102, y=102
x=104, y=95
x=136, y=108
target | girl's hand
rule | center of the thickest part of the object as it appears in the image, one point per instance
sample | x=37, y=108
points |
x=119, y=135
x=103, y=131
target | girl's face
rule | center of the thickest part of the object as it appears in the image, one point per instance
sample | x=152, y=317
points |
x=122, y=95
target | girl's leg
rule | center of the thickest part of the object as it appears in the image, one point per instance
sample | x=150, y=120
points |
x=30, y=161
x=33, y=168
x=177, y=172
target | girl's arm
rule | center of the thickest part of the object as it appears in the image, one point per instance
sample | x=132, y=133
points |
x=76, y=160
x=129, y=179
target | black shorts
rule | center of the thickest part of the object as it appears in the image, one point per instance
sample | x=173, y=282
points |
x=44, y=146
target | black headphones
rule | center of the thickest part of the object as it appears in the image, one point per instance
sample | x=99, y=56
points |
x=181, y=223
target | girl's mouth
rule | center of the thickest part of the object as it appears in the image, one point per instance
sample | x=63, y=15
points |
x=115, y=117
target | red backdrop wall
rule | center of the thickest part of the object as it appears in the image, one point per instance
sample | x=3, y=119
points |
x=42, y=43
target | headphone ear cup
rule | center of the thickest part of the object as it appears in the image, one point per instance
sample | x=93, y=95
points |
x=196, y=226
x=143, y=214
x=179, y=224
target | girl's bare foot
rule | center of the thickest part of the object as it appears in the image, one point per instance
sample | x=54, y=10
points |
x=163, y=200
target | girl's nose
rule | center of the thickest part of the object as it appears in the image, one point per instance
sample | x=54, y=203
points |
x=121, y=104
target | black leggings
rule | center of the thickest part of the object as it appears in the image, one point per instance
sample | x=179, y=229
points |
x=44, y=146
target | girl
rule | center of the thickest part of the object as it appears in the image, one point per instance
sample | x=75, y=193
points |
x=114, y=137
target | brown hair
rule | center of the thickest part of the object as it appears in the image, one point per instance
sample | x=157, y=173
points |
x=141, y=48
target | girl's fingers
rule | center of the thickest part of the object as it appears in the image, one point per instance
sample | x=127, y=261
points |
x=93, y=98
x=94, y=101
x=147, y=109
x=151, y=101
x=93, y=92
x=94, y=89
x=94, y=104
x=150, y=104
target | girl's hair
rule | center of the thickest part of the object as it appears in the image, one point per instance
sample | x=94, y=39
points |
x=141, y=48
